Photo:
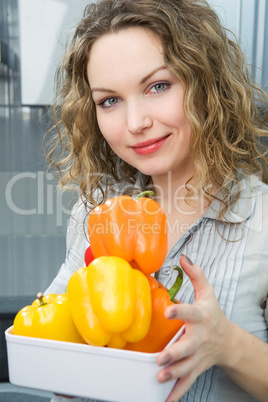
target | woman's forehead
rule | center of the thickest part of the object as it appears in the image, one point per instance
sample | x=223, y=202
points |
x=130, y=49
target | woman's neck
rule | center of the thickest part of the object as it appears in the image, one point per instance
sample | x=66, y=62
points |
x=180, y=193
x=183, y=202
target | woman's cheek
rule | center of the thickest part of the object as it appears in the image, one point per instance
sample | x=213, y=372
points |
x=111, y=127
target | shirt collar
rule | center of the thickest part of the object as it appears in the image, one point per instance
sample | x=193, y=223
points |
x=249, y=186
x=243, y=207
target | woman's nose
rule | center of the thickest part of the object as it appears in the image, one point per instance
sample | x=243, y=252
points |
x=138, y=117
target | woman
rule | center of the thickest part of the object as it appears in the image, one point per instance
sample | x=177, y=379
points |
x=153, y=94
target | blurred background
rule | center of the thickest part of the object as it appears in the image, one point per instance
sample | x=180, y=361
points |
x=34, y=215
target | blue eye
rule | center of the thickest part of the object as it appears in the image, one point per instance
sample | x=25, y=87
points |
x=108, y=102
x=160, y=87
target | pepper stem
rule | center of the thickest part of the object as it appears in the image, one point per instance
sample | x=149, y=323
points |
x=40, y=297
x=176, y=286
x=147, y=193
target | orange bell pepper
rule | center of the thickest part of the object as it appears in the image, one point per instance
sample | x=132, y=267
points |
x=161, y=330
x=133, y=229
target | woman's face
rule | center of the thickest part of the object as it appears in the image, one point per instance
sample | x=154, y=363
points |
x=139, y=102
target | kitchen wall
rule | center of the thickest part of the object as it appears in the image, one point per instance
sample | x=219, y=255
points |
x=34, y=216
x=248, y=20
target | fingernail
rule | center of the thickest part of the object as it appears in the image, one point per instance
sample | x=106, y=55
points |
x=166, y=359
x=167, y=377
x=171, y=314
x=187, y=259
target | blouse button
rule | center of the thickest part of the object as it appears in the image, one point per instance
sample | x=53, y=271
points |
x=166, y=271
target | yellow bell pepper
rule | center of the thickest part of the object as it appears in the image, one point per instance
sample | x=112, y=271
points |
x=48, y=317
x=110, y=302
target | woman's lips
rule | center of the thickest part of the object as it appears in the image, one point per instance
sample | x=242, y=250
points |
x=148, y=147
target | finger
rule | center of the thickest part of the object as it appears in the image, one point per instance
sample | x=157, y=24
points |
x=181, y=349
x=178, y=369
x=184, y=312
x=181, y=387
x=197, y=277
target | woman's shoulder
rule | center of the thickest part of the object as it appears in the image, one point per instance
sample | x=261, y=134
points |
x=252, y=191
x=257, y=202
x=82, y=207
x=259, y=192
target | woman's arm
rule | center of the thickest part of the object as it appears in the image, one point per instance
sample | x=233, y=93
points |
x=76, y=245
x=210, y=339
x=248, y=364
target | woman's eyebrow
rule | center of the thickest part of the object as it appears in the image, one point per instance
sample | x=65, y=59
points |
x=97, y=89
x=152, y=73
x=147, y=77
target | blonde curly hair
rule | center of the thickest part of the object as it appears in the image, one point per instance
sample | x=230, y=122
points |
x=221, y=101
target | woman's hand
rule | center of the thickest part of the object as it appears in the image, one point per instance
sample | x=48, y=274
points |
x=206, y=337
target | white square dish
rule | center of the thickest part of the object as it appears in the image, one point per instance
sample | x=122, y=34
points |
x=86, y=371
